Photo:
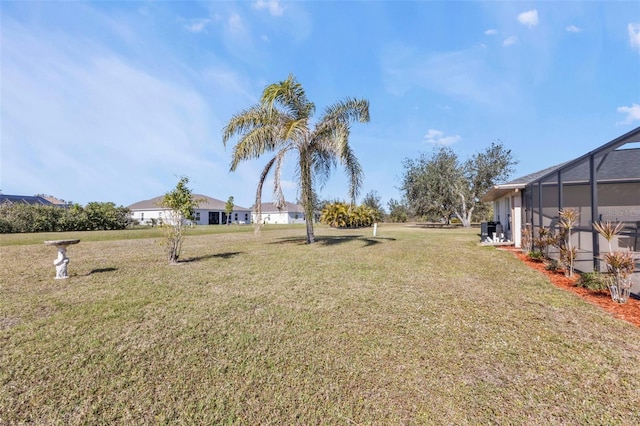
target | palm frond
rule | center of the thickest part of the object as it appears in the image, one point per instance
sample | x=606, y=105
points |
x=607, y=229
x=247, y=120
x=290, y=95
x=354, y=172
x=324, y=161
x=253, y=145
x=278, y=194
x=263, y=177
x=348, y=110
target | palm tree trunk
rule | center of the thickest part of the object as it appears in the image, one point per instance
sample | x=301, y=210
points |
x=307, y=192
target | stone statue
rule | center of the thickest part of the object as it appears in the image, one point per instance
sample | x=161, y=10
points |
x=62, y=260
x=61, y=263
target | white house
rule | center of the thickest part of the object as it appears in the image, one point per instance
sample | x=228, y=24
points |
x=210, y=211
x=291, y=213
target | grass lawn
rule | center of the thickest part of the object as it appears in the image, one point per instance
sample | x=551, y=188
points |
x=415, y=326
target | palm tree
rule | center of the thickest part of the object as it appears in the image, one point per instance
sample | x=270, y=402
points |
x=281, y=123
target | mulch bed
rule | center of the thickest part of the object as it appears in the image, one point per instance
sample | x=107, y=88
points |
x=629, y=311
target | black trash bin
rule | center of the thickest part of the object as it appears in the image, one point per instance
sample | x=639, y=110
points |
x=486, y=230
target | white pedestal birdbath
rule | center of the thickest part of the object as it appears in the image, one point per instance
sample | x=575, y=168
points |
x=62, y=260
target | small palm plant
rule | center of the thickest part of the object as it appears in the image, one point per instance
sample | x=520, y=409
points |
x=568, y=252
x=620, y=264
x=544, y=240
x=608, y=230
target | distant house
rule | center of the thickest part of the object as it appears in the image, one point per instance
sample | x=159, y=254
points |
x=291, y=213
x=601, y=185
x=25, y=199
x=210, y=211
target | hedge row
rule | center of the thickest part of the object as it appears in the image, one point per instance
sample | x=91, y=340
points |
x=20, y=218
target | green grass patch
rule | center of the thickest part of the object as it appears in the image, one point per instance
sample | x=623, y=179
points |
x=413, y=326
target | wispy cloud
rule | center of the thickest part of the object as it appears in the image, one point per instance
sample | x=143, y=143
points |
x=491, y=31
x=197, y=25
x=461, y=75
x=573, y=29
x=509, y=41
x=634, y=35
x=633, y=114
x=235, y=24
x=529, y=18
x=273, y=6
x=437, y=137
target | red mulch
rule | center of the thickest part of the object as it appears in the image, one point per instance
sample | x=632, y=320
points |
x=629, y=311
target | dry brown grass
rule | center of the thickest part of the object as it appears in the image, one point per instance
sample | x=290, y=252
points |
x=416, y=326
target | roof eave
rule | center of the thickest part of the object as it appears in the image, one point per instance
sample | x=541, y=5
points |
x=500, y=191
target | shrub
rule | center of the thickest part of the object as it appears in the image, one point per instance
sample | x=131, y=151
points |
x=544, y=240
x=342, y=215
x=527, y=238
x=551, y=265
x=536, y=256
x=594, y=281
x=20, y=217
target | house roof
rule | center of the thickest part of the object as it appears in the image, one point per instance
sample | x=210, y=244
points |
x=289, y=207
x=613, y=163
x=54, y=200
x=24, y=199
x=499, y=191
x=206, y=203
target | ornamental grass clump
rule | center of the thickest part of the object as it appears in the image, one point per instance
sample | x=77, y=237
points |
x=620, y=264
x=568, y=252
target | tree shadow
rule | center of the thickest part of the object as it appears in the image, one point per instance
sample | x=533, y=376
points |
x=227, y=255
x=334, y=240
x=100, y=270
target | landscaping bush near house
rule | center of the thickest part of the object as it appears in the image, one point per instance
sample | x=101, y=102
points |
x=595, y=281
x=536, y=256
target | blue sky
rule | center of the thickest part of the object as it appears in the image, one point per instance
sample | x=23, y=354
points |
x=114, y=101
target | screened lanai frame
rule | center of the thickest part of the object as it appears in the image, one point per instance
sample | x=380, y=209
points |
x=603, y=184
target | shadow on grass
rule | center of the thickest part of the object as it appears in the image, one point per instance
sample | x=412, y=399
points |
x=101, y=270
x=227, y=255
x=334, y=240
x=436, y=225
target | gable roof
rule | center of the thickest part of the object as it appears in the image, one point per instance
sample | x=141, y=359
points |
x=289, y=207
x=206, y=203
x=24, y=199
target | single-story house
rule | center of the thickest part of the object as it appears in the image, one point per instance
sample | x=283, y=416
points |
x=291, y=213
x=43, y=200
x=601, y=185
x=210, y=211
x=24, y=199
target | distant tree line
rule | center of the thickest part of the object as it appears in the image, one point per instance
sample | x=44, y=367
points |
x=95, y=216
